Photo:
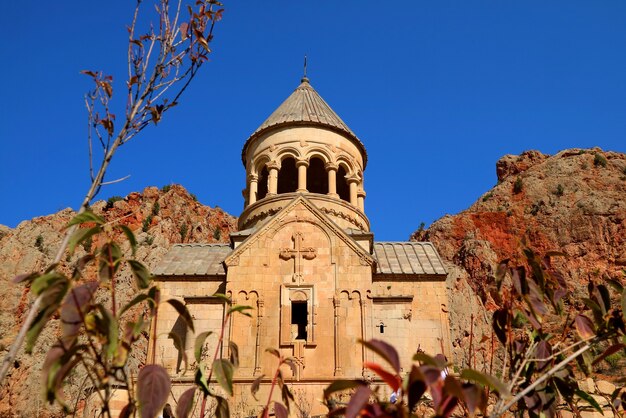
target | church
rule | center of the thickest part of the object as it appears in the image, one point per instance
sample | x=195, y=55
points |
x=305, y=259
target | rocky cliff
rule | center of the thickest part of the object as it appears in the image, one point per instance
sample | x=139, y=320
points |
x=158, y=218
x=574, y=201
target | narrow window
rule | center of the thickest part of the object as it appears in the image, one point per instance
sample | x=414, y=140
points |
x=381, y=327
x=316, y=177
x=287, y=176
x=262, y=185
x=299, y=314
x=343, y=190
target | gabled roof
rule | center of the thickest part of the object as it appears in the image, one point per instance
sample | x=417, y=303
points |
x=193, y=260
x=306, y=107
x=271, y=223
x=408, y=258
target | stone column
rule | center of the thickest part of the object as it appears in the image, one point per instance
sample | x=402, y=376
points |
x=302, y=166
x=336, y=305
x=331, y=169
x=361, y=199
x=253, y=188
x=353, y=182
x=272, y=181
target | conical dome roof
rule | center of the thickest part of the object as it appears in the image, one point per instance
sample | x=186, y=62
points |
x=306, y=107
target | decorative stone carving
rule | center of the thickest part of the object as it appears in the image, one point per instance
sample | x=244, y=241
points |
x=298, y=253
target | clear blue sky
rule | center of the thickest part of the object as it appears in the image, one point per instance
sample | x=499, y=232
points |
x=437, y=91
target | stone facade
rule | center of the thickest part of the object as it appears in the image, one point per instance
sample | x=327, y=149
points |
x=306, y=261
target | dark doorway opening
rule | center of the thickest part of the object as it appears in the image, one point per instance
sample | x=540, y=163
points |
x=299, y=317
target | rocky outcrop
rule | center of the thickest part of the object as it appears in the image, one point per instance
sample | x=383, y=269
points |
x=574, y=201
x=158, y=218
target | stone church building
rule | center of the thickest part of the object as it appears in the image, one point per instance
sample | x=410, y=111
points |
x=306, y=260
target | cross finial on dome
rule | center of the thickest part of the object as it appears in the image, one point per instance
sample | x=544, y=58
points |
x=304, y=77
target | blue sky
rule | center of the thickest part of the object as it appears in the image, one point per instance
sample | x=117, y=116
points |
x=437, y=91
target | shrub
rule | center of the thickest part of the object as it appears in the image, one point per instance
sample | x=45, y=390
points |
x=146, y=223
x=184, y=228
x=156, y=208
x=166, y=188
x=193, y=196
x=518, y=185
x=487, y=196
x=149, y=239
x=111, y=200
x=39, y=242
x=559, y=190
x=217, y=234
x=599, y=160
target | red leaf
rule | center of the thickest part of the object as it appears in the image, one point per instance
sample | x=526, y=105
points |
x=392, y=380
x=357, y=401
x=584, y=327
x=280, y=410
x=153, y=388
x=185, y=403
x=386, y=351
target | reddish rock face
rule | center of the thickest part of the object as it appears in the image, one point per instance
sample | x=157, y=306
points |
x=32, y=245
x=574, y=201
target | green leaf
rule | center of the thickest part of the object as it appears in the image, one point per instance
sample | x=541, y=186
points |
x=136, y=300
x=141, y=273
x=424, y=358
x=223, y=298
x=153, y=389
x=386, y=351
x=197, y=350
x=110, y=257
x=200, y=380
x=185, y=403
x=28, y=277
x=51, y=300
x=615, y=284
x=81, y=235
x=45, y=281
x=486, y=380
x=183, y=312
x=110, y=329
x=223, y=371
x=86, y=216
x=130, y=237
x=589, y=399
x=240, y=308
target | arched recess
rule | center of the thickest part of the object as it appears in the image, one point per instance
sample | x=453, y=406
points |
x=262, y=184
x=316, y=177
x=287, y=176
x=343, y=190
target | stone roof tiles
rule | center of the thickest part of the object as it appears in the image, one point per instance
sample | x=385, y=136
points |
x=306, y=107
x=193, y=260
x=408, y=258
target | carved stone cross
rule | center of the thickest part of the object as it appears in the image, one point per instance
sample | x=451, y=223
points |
x=298, y=253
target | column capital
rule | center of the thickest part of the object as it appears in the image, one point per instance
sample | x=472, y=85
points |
x=302, y=162
x=361, y=193
x=253, y=177
x=353, y=179
x=273, y=165
x=330, y=166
